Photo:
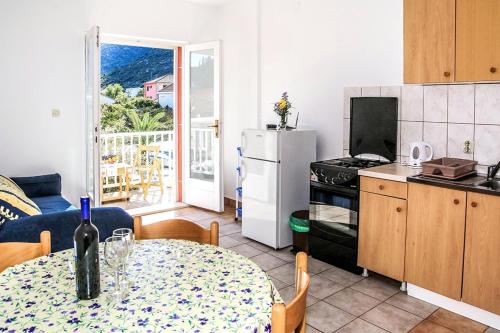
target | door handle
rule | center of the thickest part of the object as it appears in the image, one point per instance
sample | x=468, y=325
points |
x=215, y=126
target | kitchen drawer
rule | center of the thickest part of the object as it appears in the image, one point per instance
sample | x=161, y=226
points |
x=384, y=187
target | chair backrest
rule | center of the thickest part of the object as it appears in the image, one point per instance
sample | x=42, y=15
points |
x=146, y=156
x=177, y=229
x=292, y=317
x=13, y=253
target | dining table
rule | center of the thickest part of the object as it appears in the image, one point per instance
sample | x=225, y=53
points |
x=174, y=286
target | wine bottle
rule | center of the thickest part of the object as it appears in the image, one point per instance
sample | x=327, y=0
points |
x=86, y=240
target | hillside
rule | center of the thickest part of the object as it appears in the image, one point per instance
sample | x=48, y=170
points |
x=131, y=66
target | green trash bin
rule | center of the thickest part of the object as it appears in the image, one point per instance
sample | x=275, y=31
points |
x=299, y=223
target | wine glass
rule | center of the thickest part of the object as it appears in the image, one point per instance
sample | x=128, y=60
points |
x=115, y=256
x=128, y=235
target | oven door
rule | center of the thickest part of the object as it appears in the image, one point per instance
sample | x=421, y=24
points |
x=333, y=215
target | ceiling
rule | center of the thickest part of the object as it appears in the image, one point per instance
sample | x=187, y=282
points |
x=210, y=2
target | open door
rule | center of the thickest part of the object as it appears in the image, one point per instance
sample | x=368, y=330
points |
x=202, y=163
x=92, y=86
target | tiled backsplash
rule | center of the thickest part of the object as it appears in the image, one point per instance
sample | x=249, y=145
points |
x=445, y=116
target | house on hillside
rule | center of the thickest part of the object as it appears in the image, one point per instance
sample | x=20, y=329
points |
x=151, y=88
x=166, y=96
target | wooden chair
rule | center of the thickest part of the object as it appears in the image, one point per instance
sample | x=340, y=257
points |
x=177, y=229
x=292, y=317
x=146, y=164
x=13, y=253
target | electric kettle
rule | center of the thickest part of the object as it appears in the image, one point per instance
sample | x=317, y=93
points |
x=420, y=152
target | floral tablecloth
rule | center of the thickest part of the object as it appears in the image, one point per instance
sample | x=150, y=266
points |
x=177, y=286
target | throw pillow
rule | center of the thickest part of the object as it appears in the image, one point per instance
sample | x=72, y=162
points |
x=14, y=204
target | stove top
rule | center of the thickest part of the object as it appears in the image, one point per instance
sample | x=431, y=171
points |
x=341, y=171
x=352, y=163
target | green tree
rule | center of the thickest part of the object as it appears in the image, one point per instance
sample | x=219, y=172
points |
x=147, y=122
x=115, y=117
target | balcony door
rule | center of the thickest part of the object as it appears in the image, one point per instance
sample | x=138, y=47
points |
x=92, y=114
x=202, y=137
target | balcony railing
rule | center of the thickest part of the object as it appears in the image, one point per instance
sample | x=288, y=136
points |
x=124, y=147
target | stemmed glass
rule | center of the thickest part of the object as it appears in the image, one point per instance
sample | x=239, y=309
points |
x=128, y=235
x=115, y=256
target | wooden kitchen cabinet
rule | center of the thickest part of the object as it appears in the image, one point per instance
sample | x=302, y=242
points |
x=382, y=232
x=435, y=239
x=478, y=41
x=481, y=285
x=429, y=41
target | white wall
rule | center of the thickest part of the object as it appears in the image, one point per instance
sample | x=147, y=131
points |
x=312, y=49
x=42, y=67
x=237, y=30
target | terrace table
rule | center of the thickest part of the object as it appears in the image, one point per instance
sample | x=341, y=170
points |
x=177, y=286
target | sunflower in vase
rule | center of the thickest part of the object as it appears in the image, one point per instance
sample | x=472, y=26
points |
x=282, y=109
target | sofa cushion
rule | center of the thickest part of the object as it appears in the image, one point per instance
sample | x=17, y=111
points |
x=40, y=186
x=53, y=204
x=62, y=226
x=14, y=204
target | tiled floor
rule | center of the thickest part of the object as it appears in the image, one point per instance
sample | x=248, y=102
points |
x=338, y=301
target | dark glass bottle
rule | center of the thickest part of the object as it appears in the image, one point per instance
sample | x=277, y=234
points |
x=86, y=241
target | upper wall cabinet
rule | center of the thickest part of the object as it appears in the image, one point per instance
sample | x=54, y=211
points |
x=429, y=41
x=451, y=41
x=478, y=40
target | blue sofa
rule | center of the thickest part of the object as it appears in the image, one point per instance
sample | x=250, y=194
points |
x=58, y=215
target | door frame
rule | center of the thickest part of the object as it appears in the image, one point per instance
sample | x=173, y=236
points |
x=176, y=46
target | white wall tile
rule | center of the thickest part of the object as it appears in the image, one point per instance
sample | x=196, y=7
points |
x=436, y=135
x=457, y=135
x=413, y=103
x=370, y=91
x=482, y=169
x=488, y=104
x=398, y=150
x=392, y=91
x=348, y=93
x=410, y=132
x=461, y=104
x=487, y=144
x=346, y=152
x=347, y=131
x=436, y=103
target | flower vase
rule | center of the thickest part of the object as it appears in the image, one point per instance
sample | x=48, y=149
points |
x=283, y=123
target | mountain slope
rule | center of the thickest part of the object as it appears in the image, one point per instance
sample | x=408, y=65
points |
x=131, y=66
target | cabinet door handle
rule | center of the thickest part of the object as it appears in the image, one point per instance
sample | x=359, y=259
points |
x=447, y=74
x=399, y=209
x=473, y=204
x=381, y=187
x=456, y=201
x=493, y=69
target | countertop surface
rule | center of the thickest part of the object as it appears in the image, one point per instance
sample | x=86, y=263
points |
x=394, y=171
x=470, y=183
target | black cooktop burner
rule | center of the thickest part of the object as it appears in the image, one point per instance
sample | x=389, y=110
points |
x=353, y=163
x=341, y=171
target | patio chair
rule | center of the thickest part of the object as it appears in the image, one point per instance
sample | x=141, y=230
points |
x=146, y=164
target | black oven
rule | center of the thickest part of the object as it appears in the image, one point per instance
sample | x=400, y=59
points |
x=333, y=215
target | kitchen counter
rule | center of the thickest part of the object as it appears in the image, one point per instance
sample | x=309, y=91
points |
x=394, y=171
x=466, y=184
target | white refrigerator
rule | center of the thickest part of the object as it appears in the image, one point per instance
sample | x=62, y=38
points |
x=275, y=182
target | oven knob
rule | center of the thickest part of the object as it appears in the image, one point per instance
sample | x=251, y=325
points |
x=326, y=179
x=322, y=174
